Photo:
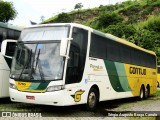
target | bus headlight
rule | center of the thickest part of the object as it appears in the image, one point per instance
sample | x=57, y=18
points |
x=55, y=88
x=13, y=86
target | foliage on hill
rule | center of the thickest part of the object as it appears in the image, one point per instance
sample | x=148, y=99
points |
x=137, y=21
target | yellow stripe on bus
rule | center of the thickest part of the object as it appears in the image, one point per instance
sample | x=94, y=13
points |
x=138, y=75
x=22, y=85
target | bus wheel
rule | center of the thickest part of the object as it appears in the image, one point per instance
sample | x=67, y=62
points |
x=92, y=100
x=142, y=93
x=157, y=84
x=147, y=91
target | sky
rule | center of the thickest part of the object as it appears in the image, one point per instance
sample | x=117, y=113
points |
x=32, y=10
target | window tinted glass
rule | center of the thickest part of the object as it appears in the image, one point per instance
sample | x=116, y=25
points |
x=77, y=54
x=113, y=51
x=10, y=34
x=98, y=46
x=105, y=48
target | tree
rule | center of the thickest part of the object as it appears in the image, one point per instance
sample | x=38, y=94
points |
x=7, y=11
x=78, y=6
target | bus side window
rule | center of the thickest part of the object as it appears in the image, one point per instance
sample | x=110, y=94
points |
x=79, y=48
x=73, y=66
x=76, y=59
x=70, y=61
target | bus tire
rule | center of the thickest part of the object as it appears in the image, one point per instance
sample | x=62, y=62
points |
x=142, y=93
x=157, y=84
x=147, y=91
x=92, y=99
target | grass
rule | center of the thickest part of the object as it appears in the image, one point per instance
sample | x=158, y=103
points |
x=157, y=93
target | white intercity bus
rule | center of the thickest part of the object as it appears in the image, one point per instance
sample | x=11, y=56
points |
x=7, y=46
x=68, y=64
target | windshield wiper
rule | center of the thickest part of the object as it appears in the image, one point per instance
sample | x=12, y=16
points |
x=32, y=66
x=37, y=59
x=40, y=70
x=27, y=62
x=18, y=60
x=39, y=66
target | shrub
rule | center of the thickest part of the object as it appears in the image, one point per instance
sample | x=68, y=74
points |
x=107, y=19
x=63, y=18
x=154, y=23
x=121, y=30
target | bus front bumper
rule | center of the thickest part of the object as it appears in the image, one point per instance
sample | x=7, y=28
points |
x=56, y=98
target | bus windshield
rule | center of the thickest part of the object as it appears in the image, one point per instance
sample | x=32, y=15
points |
x=39, y=59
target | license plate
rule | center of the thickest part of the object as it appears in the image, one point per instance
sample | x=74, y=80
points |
x=30, y=97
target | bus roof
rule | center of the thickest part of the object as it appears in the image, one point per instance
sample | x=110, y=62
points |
x=60, y=24
x=112, y=37
x=9, y=26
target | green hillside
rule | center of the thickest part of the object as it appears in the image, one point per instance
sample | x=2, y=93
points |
x=137, y=21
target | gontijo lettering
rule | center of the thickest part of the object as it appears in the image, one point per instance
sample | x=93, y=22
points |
x=136, y=70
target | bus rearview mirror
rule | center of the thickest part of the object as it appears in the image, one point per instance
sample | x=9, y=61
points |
x=8, y=47
x=63, y=46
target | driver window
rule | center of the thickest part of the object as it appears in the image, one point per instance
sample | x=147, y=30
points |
x=73, y=65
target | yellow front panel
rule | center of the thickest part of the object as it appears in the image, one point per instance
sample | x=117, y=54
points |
x=22, y=85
